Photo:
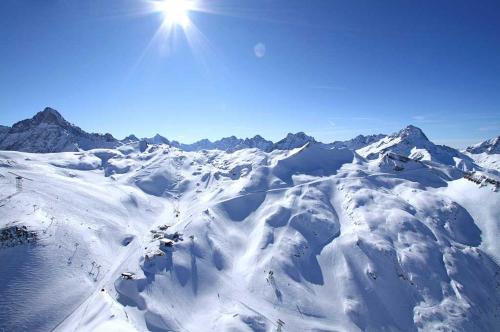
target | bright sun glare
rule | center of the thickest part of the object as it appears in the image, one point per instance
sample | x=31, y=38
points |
x=176, y=22
x=176, y=11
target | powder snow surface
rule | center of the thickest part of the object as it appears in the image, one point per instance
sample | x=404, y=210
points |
x=312, y=239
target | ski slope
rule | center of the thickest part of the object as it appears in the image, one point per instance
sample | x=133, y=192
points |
x=309, y=239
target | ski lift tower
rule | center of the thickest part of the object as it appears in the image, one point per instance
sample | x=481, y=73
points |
x=19, y=183
x=19, y=180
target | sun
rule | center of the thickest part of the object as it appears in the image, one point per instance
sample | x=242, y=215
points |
x=176, y=12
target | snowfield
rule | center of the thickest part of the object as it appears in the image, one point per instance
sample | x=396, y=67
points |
x=309, y=239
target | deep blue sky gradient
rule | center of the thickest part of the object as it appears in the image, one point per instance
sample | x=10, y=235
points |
x=333, y=69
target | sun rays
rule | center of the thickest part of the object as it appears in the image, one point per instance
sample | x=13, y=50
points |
x=176, y=12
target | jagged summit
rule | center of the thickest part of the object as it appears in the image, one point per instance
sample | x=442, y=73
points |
x=130, y=139
x=157, y=139
x=292, y=141
x=412, y=132
x=48, y=116
x=258, y=142
x=229, y=144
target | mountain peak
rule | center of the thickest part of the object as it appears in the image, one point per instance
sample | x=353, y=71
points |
x=412, y=131
x=292, y=141
x=48, y=116
x=299, y=134
x=229, y=138
x=50, y=110
x=157, y=139
x=130, y=138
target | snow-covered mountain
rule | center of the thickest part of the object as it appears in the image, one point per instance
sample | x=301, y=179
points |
x=203, y=144
x=48, y=131
x=229, y=144
x=233, y=143
x=491, y=146
x=486, y=154
x=130, y=139
x=257, y=142
x=309, y=239
x=358, y=142
x=157, y=139
x=293, y=141
x=413, y=143
x=226, y=143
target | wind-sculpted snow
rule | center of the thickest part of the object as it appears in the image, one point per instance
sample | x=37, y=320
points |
x=309, y=239
x=312, y=160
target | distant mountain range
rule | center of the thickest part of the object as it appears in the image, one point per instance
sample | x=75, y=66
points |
x=48, y=131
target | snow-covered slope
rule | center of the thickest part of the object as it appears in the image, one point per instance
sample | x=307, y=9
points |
x=308, y=239
x=411, y=142
x=48, y=131
x=486, y=154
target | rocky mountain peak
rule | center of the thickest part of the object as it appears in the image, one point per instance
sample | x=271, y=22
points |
x=48, y=131
x=48, y=116
x=411, y=132
x=292, y=141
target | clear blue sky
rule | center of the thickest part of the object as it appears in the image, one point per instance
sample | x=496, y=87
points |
x=331, y=68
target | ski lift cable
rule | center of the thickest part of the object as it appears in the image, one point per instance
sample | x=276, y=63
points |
x=23, y=177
